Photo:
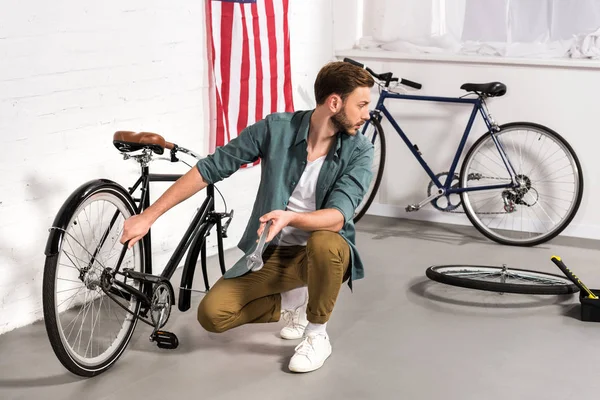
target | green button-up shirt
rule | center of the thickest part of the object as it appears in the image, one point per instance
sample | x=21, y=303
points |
x=280, y=141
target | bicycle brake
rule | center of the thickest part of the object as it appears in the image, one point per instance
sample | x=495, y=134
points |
x=226, y=224
x=254, y=261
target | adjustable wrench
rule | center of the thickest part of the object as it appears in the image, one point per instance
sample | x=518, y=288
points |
x=254, y=261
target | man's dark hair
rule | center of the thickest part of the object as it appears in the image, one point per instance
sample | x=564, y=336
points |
x=340, y=78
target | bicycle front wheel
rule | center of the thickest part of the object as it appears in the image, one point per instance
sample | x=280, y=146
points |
x=90, y=320
x=549, y=178
x=500, y=279
x=374, y=133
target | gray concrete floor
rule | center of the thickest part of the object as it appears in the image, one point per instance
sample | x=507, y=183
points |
x=398, y=336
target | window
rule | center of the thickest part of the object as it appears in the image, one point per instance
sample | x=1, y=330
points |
x=511, y=28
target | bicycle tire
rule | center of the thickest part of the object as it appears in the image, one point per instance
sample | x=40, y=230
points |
x=376, y=180
x=565, y=221
x=78, y=201
x=447, y=274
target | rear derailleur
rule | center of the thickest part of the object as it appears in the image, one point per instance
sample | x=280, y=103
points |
x=516, y=196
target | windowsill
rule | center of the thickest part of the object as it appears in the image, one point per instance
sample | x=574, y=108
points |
x=450, y=58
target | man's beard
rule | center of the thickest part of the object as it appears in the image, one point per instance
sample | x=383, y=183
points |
x=342, y=123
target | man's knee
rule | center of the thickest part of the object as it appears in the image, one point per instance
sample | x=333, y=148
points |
x=212, y=316
x=328, y=247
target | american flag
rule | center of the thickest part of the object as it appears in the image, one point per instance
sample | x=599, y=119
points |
x=249, y=64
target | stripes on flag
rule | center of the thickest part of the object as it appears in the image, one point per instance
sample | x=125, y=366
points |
x=249, y=64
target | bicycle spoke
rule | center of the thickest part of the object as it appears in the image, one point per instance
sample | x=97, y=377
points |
x=69, y=280
x=94, y=325
x=69, y=255
x=547, y=192
x=70, y=266
x=495, y=162
x=501, y=279
x=91, y=327
x=550, y=156
x=81, y=310
x=71, y=297
x=544, y=179
x=68, y=290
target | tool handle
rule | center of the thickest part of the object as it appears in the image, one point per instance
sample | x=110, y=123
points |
x=254, y=260
x=560, y=264
x=263, y=238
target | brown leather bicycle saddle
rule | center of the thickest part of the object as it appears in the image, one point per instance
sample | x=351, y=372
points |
x=127, y=141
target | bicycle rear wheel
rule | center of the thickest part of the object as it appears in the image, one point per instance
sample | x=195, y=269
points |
x=374, y=133
x=550, y=185
x=500, y=279
x=88, y=328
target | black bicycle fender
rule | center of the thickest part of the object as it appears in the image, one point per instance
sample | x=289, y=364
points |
x=57, y=231
x=189, y=268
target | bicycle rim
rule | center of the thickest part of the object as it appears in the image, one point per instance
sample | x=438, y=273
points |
x=93, y=327
x=500, y=279
x=374, y=134
x=550, y=192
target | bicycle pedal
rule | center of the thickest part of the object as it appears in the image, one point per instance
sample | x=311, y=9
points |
x=412, y=208
x=165, y=340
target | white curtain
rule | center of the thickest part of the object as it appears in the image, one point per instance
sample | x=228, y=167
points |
x=513, y=28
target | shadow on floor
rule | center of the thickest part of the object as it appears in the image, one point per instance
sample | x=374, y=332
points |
x=427, y=289
x=40, y=381
x=384, y=227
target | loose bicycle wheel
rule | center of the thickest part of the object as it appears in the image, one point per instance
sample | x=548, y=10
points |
x=550, y=185
x=374, y=133
x=501, y=279
x=88, y=328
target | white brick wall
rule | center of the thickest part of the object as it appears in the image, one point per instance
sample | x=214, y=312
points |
x=71, y=73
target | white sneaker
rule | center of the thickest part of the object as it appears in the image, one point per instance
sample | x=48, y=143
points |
x=295, y=323
x=311, y=353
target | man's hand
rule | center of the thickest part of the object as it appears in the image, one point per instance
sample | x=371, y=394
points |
x=280, y=219
x=135, y=228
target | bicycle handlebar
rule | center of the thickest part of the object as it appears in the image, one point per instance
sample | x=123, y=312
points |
x=411, y=83
x=351, y=61
x=387, y=76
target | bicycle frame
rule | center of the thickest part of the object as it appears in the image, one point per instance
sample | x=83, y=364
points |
x=194, y=238
x=478, y=106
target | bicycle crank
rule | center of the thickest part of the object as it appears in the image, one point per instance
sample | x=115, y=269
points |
x=159, y=313
x=160, y=308
x=448, y=202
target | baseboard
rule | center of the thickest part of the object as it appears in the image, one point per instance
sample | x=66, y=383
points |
x=577, y=230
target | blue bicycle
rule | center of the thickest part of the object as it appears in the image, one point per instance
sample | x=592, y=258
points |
x=520, y=183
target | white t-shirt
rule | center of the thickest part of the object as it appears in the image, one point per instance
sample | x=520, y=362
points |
x=302, y=200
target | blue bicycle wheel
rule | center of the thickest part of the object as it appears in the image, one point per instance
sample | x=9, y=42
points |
x=543, y=193
x=374, y=133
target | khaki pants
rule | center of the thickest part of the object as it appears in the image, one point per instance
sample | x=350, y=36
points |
x=255, y=297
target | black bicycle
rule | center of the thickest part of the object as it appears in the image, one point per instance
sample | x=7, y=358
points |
x=95, y=289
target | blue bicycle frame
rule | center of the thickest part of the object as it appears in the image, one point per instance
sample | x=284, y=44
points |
x=478, y=105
